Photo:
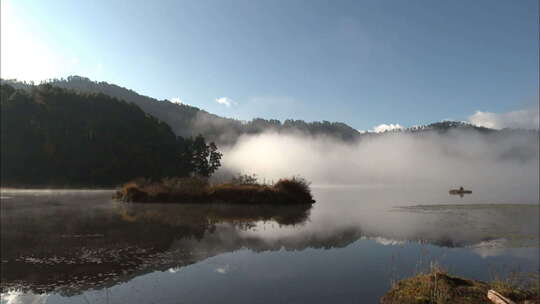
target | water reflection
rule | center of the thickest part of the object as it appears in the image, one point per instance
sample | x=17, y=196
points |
x=53, y=245
x=70, y=243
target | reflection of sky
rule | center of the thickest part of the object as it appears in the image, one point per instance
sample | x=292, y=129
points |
x=361, y=244
x=223, y=269
x=362, y=269
x=15, y=297
x=373, y=213
x=531, y=254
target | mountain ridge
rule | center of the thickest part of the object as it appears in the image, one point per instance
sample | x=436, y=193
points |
x=188, y=121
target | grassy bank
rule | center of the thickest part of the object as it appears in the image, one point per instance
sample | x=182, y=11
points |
x=241, y=190
x=439, y=287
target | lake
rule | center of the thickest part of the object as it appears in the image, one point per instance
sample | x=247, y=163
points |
x=77, y=246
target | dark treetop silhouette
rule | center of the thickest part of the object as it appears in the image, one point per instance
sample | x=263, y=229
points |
x=58, y=137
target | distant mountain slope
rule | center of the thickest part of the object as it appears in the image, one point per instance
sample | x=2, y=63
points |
x=187, y=120
x=177, y=116
x=444, y=126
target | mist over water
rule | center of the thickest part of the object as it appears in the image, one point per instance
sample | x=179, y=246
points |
x=382, y=211
x=491, y=162
x=350, y=240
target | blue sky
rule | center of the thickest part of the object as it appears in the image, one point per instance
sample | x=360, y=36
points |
x=360, y=62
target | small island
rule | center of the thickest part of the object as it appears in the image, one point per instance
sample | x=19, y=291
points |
x=240, y=190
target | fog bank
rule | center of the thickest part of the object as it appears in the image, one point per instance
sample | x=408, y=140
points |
x=454, y=158
x=522, y=119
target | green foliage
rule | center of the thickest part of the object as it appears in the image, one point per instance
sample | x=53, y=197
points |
x=53, y=136
x=205, y=158
x=189, y=121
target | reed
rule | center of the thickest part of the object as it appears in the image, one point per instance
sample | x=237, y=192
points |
x=294, y=190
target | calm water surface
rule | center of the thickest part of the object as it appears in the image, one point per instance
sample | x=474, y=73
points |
x=82, y=247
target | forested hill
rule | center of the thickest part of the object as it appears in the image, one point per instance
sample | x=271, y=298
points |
x=188, y=121
x=58, y=137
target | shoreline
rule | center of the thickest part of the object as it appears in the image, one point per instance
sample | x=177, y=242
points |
x=438, y=286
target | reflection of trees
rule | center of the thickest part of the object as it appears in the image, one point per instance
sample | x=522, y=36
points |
x=52, y=244
x=58, y=246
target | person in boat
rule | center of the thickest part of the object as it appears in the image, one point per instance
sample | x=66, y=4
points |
x=461, y=189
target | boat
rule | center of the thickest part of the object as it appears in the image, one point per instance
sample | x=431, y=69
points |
x=459, y=191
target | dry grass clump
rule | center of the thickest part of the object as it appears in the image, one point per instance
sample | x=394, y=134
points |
x=144, y=190
x=518, y=286
x=242, y=190
x=245, y=179
x=439, y=287
x=297, y=188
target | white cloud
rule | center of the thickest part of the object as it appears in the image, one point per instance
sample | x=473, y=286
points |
x=223, y=269
x=177, y=100
x=226, y=101
x=17, y=297
x=384, y=127
x=386, y=242
x=520, y=119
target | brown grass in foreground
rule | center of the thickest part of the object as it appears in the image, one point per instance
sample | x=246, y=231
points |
x=197, y=190
x=439, y=287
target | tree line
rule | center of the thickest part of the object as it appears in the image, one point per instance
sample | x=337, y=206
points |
x=59, y=137
x=186, y=120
